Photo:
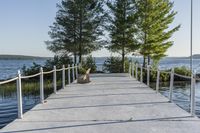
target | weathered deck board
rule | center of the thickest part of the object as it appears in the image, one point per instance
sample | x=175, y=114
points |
x=111, y=103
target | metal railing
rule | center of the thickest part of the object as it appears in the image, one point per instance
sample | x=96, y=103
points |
x=133, y=71
x=19, y=77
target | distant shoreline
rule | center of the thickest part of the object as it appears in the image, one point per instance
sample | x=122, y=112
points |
x=22, y=57
x=28, y=57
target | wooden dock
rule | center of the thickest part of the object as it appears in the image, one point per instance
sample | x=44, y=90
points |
x=111, y=103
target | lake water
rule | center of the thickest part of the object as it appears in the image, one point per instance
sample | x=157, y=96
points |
x=164, y=64
x=9, y=68
x=8, y=104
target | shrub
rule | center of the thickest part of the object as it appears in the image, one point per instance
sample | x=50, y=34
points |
x=165, y=77
x=113, y=65
x=57, y=60
x=82, y=70
x=182, y=70
x=32, y=70
x=89, y=62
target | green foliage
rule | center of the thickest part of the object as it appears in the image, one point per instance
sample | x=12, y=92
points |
x=30, y=88
x=32, y=70
x=182, y=70
x=165, y=77
x=122, y=28
x=82, y=70
x=132, y=25
x=77, y=27
x=154, y=19
x=113, y=65
x=89, y=62
x=57, y=61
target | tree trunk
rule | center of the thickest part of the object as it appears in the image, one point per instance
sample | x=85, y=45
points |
x=144, y=61
x=80, y=55
x=75, y=60
x=75, y=44
x=80, y=33
x=149, y=59
x=123, y=60
x=123, y=44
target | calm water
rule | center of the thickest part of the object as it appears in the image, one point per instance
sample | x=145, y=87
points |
x=164, y=64
x=8, y=104
x=181, y=94
x=8, y=100
x=9, y=68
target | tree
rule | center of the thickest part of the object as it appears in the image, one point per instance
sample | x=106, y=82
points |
x=112, y=65
x=90, y=19
x=89, y=62
x=77, y=28
x=63, y=31
x=122, y=28
x=154, y=19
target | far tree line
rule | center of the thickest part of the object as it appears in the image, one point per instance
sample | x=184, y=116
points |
x=121, y=26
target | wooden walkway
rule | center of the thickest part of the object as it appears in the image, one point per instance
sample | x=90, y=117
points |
x=111, y=103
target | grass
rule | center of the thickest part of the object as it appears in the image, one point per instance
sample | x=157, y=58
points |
x=30, y=87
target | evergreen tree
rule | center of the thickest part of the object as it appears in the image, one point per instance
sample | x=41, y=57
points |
x=90, y=18
x=154, y=19
x=63, y=31
x=122, y=28
x=77, y=29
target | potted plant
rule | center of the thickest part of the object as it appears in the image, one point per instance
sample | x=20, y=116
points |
x=83, y=76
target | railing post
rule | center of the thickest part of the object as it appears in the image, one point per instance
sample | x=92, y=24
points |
x=69, y=77
x=141, y=73
x=158, y=81
x=171, y=85
x=133, y=69
x=54, y=80
x=76, y=71
x=193, y=84
x=148, y=75
x=41, y=86
x=63, y=77
x=19, y=96
x=73, y=74
x=136, y=72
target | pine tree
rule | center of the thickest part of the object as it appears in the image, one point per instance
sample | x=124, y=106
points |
x=154, y=19
x=63, y=31
x=122, y=28
x=77, y=28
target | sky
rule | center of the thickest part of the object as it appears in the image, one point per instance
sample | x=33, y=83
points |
x=24, y=26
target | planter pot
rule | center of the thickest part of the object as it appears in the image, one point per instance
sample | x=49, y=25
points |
x=83, y=78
